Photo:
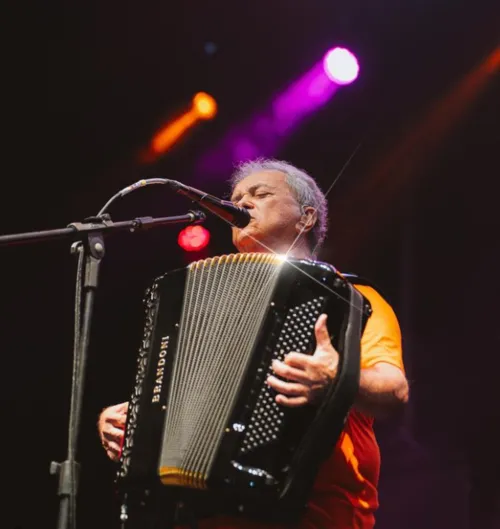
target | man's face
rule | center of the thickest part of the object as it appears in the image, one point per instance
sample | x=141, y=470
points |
x=274, y=210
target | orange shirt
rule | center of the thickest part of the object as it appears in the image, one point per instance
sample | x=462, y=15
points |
x=344, y=495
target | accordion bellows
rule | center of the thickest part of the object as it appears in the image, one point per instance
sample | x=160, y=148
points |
x=201, y=415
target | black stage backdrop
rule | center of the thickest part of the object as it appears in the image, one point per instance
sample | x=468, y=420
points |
x=86, y=86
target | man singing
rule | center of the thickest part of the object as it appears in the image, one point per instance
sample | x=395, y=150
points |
x=289, y=216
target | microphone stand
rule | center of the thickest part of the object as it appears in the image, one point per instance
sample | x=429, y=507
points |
x=90, y=233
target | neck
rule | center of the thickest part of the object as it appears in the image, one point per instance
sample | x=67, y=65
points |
x=300, y=253
x=298, y=249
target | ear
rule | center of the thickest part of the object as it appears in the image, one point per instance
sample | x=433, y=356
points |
x=307, y=220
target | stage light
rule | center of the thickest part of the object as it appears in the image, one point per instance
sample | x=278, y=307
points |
x=204, y=105
x=193, y=238
x=341, y=66
x=266, y=131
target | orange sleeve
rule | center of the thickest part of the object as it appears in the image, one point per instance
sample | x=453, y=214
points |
x=381, y=339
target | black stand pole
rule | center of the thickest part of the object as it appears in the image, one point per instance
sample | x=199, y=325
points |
x=93, y=250
x=99, y=224
x=90, y=233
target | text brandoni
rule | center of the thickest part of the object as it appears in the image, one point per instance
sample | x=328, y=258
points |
x=160, y=369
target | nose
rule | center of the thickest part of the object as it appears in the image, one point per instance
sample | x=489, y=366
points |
x=245, y=202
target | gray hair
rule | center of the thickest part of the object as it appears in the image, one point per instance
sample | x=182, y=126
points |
x=303, y=186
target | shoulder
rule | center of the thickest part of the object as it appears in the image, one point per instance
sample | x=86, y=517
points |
x=381, y=340
x=381, y=308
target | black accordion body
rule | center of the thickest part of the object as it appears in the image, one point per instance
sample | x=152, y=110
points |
x=203, y=427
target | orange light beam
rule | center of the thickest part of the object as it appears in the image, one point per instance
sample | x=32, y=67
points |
x=170, y=134
x=203, y=107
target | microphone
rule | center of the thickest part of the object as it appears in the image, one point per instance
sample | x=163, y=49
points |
x=235, y=215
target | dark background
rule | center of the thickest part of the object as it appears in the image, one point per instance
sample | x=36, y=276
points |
x=86, y=84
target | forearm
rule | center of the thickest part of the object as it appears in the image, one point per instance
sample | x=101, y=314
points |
x=383, y=389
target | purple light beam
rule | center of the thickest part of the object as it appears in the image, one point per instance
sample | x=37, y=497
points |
x=265, y=132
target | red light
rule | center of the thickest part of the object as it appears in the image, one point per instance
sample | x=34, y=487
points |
x=193, y=238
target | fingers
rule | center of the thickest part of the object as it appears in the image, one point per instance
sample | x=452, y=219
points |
x=112, y=440
x=291, y=402
x=116, y=419
x=111, y=426
x=300, y=360
x=113, y=452
x=285, y=370
x=321, y=332
x=116, y=412
x=120, y=408
x=291, y=394
x=111, y=433
x=112, y=443
x=306, y=375
x=287, y=388
x=115, y=415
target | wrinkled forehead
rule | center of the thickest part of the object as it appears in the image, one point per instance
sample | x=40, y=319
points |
x=271, y=179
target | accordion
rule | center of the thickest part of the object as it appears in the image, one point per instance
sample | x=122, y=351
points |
x=203, y=426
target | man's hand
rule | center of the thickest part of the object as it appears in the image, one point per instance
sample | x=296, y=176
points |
x=111, y=427
x=307, y=375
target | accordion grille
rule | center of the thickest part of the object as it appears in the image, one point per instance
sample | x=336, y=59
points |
x=225, y=302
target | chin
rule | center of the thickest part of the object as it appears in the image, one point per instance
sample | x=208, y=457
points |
x=248, y=244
